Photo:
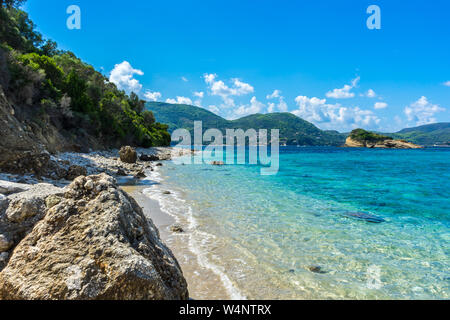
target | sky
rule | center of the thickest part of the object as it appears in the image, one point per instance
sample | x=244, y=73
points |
x=317, y=59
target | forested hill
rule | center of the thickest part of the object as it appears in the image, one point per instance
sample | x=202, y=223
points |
x=293, y=130
x=427, y=135
x=61, y=102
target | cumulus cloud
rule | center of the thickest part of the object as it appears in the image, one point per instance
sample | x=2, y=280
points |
x=200, y=94
x=152, y=96
x=380, y=105
x=180, y=100
x=281, y=106
x=334, y=116
x=213, y=109
x=371, y=94
x=447, y=83
x=219, y=88
x=422, y=111
x=123, y=77
x=274, y=95
x=345, y=92
x=254, y=107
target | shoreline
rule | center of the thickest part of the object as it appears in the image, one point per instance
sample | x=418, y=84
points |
x=204, y=283
x=205, y=280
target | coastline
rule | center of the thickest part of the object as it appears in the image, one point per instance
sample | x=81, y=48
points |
x=203, y=283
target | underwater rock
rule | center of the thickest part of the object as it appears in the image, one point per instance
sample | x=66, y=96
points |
x=365, y=216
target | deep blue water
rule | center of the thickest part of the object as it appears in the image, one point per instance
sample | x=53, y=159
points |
x=301, y=233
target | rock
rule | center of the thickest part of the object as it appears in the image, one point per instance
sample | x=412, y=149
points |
x=140, y=174
x=30, y=203
x=22, y=209
x=75, y=171
x=8, y=188
x=5, y=243
x=316, y=269
x=3, y=259
x=167, y=192
x=151, y=157
x=128, y=154
x=176, y=228
x=159, y=164
x=52, y=201
x=384, y=144
x=95, y=244
x=3, y=203
x=121, y=172
x=365, y=216
x=218, y=163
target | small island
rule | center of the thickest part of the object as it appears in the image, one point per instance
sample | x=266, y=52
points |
x=360, y=138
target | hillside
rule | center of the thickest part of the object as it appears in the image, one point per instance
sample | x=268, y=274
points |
x=427, y=135
x=50, y=100
x=293, y=130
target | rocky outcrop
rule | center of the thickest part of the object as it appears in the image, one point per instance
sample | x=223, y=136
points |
x=128, y=154
x=75, y=171
x=386, y=144
x=92, y=242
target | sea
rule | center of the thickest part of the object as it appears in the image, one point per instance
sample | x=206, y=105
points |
x=333, y=223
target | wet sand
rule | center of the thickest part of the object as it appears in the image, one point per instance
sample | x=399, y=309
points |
x=203, y=283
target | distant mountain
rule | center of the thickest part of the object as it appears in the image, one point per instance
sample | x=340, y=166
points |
x=293, y=130
x=427, y=135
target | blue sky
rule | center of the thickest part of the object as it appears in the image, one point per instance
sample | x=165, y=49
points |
x=316, y=59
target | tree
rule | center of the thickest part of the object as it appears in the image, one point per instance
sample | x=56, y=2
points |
x=11, y=3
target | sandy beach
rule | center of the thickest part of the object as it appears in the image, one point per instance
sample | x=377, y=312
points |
x=203, y=283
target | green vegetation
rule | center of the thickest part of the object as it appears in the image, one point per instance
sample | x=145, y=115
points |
x=427, y=135
x=36, y=76
x=293, y=130
x=362, y=135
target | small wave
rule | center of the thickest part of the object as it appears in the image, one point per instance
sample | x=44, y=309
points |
x=172, y=204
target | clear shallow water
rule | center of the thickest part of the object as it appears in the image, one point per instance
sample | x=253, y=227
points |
x=264, y=233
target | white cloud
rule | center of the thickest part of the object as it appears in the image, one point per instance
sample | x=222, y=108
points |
x=200, y=94
x=380, y=105
x=152, y=96
x=281, y=106
x=371, y=94
x=122, y=77
x=275, y=94
x=213, y=109
x=334, y=116
x=254, y=107
x=344, y=93
x=422, y=111
x=219, y=88
x=180, y=100
x=184, y=79
x=447, y=83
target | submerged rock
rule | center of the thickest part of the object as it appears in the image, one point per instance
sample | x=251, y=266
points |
x=95, y=243
x=128, y=154
x=316, y=269
x=365, y=216
x=176, y=228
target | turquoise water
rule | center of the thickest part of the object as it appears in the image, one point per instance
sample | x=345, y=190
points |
x=266, y=233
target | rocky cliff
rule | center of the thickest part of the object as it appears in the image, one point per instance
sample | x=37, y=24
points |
x=89, y=240
x=386, y=144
